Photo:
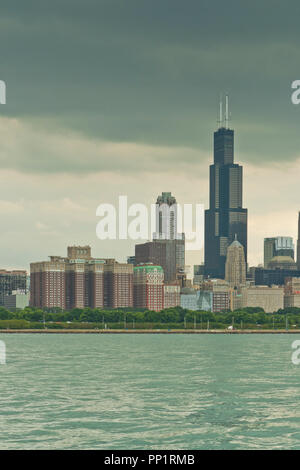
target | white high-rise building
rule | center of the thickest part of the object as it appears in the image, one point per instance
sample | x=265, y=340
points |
x=166, y=218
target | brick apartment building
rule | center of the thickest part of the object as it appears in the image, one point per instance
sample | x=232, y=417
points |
x=79, y=281
x=118, y=284
x=148, y=287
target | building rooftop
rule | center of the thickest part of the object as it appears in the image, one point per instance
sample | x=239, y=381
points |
x=148, y=267
x=236, y=243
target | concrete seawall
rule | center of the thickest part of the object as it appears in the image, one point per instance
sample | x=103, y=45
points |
x=132, y=331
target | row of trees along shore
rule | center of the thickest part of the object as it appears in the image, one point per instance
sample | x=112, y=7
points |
x=176, y=317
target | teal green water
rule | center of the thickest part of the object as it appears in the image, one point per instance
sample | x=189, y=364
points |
x=149, y=392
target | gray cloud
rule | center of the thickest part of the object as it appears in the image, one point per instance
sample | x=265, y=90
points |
x=31, y=149
x=151, y=72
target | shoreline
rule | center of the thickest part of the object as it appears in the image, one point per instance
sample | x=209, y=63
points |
x=137, y=331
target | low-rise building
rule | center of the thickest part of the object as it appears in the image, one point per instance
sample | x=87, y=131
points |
x=220, y=294
x=205, y=300
x=171, y=295
x=270, y=299
x=292, y=292
x=214, y=296
x=17, y=300
x=189, y=299
x=292, y=300
x=237, y=298
x=12, y=280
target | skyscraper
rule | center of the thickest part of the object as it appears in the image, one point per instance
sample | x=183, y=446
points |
x=166, y=218
x=168, y=247
x=235, y=268
x=226, y=215
x=169, y=254
x=269, y=248
x=277, y=246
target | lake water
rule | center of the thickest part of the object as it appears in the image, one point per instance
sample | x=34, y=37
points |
x=149, y=392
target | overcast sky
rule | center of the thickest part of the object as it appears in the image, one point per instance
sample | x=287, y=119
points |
x=110, y=97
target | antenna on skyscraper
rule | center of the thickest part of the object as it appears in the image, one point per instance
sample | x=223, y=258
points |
x=226, y=111
x=227, y=114
x=220, y=121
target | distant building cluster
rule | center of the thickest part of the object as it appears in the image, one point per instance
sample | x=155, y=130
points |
x=156, y=276
x=79, y=281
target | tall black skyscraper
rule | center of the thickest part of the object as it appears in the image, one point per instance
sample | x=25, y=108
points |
x=225, y=216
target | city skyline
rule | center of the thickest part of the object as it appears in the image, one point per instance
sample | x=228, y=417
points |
x=106, y=110
x=193, y=255
x=150, y=227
